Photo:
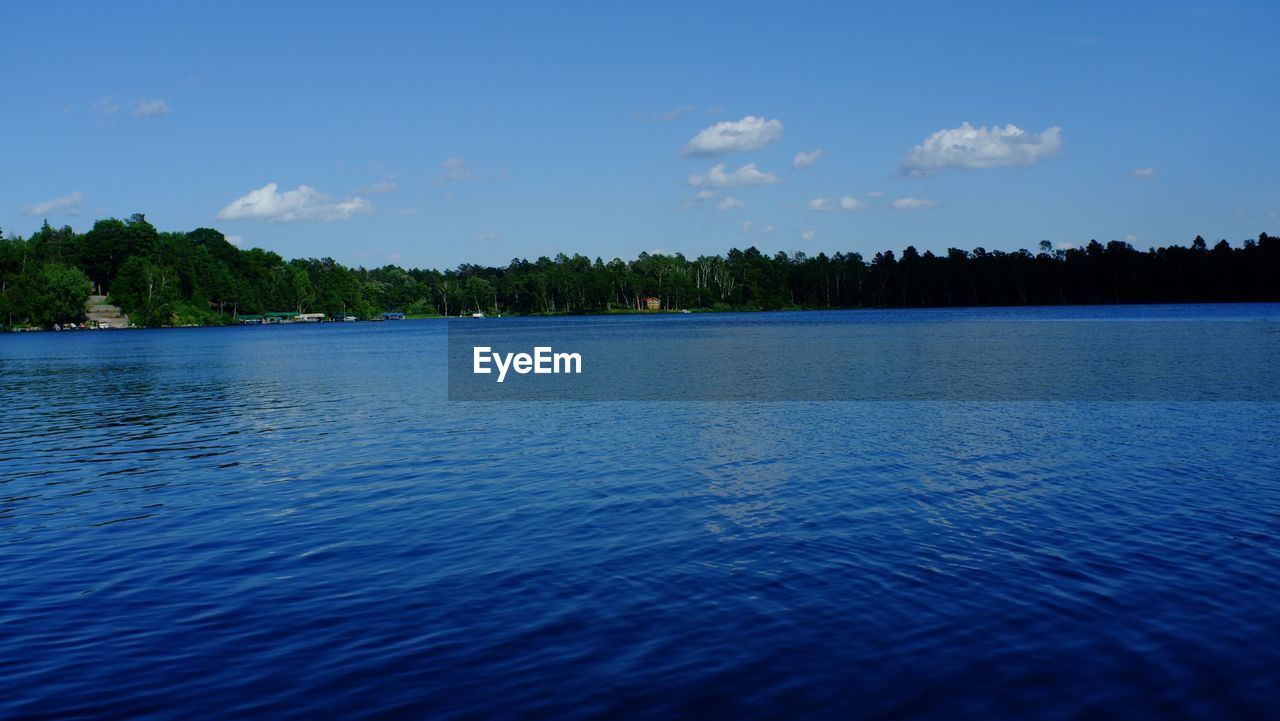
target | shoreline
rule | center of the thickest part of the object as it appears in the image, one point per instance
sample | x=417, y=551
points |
x=645, y=313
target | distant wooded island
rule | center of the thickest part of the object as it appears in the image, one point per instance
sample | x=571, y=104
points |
x=199, y=278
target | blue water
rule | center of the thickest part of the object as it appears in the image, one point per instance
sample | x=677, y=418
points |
x=293, y=522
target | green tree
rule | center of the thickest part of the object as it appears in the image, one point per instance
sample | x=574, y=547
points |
x=304, y=292
x=146, y=291
x=479, y=294
x=51, y=293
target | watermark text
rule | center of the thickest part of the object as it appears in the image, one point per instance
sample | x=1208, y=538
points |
x=543, y=360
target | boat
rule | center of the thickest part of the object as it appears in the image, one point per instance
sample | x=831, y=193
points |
x=478, y=314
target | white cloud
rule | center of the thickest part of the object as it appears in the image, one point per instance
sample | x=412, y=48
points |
x=485, y=237
x=1064, y=246
x=235, y=240
x=151, y=108
x=847, y=202
x=383, y=186
x=804, y=160
x=409, y=211
x=808, y=235
x=746, y=226
x=699, y=197
x=68, y=204
x=1273, y=215
x=106, y=105
x=454, y=169
x=876, y=194
x=967, y=148
x=305, y=203
x=913, y=204
x=748, y=174
x=673, y=113
x=768, y=229
x=736, y=136
x=1131, y=238
x=1144, y=173
x=729, y=203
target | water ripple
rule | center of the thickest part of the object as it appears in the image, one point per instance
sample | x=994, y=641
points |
x=292, y=522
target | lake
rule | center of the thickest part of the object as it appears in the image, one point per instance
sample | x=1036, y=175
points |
x=296, y=522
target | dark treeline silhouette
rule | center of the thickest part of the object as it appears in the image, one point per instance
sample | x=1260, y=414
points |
x=164, y=278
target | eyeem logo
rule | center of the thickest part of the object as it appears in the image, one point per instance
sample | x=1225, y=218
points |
x=543, y=361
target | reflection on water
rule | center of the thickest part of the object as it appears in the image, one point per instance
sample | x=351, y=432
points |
x=921, y=355
x=292, y=522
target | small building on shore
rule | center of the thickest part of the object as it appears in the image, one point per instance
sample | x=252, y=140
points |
x=651, y=303
x=265, y=318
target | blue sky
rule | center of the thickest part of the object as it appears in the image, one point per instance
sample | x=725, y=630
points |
x=437, y=134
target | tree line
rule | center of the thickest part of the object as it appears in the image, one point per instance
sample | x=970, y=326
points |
x=198, y=277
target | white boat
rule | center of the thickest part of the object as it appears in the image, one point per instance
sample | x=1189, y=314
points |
x=478, y=314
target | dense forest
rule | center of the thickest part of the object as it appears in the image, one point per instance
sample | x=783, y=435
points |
x=175, y=278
